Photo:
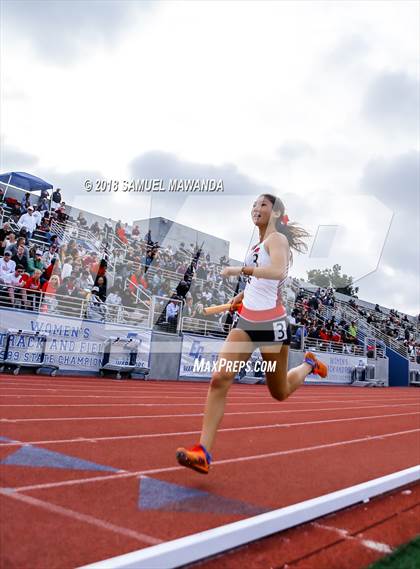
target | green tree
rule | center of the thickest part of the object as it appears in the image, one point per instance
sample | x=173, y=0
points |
x=333, y=278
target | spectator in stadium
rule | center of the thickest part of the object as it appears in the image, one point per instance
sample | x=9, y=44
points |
x=336, y=336
x=95, y=229
x=21, y=257
x=16, y=283
x=68, y=288
x=101, y=285
x=45, y=225
x=137, y=280
x=43, y=202
x=85, y=281
x=313, y=331
x=301, y=332
x=148, y=260
x=157, y=278
x=323, y=334
x=51, y=253
x=172, y=311
x=113, y=306
x=52, y=267
x=135, y=234
x=98, y=269
x=82, y=221
x=313, y=302
x=7, y=267
x=96, y=307
x=37, y=215
x=198, y=311
x=20, y=242
x=119, y=230
x=61, y=214
x=352, y=332
x=9, y=241
x=56, y=199
x=89, y=260
x=35, y=262
x=51, y=286
x=5, y=231
x=28, y=221
x=188, y=309
x=25, y=203
x=33, y=290
x=108, y=229
x=113, y=299
x=67, y=268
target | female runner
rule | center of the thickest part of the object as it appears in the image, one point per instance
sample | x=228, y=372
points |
x=262, y=323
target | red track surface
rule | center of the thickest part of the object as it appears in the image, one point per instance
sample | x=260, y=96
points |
x=268, y=455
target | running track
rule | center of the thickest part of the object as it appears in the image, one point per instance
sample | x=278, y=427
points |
x=59, y=511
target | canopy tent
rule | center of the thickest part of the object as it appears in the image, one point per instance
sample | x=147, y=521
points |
x=25, y=181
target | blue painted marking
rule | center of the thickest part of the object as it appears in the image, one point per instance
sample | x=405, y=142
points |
x=6, y=440
x=39, y=457
x=159, y=495
x=156, y=494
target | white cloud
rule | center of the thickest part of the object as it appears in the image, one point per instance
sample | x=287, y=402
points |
x=269, y=94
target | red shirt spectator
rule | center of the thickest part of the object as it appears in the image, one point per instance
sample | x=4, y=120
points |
x=336, y=337
x=121, y=235
x=33, y=282
x=137, y=279
x=324, y=335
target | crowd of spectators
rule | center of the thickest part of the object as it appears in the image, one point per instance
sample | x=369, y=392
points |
x=307, y=322
x=393, y=324
x=34, y=277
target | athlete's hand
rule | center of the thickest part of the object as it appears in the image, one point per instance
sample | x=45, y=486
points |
x=231, y=271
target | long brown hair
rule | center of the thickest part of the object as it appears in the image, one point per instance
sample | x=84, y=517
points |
x=296, y=235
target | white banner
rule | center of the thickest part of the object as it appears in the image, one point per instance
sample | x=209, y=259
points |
x=199, y=354
x=72, y=344
x=340, y=367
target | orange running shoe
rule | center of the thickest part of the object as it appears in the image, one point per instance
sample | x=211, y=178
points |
x=318, y=367
x=196, y=458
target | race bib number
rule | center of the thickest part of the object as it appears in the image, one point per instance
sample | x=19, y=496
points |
x=280, y=330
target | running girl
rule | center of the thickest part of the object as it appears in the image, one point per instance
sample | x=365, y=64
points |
x=262, y=323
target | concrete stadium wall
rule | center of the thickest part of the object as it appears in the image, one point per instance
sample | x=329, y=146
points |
x=165, y=356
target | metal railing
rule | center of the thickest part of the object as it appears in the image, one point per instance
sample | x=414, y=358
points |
x=339, y=348
x=363, y=328
x=204, y=327
x=80, y=308
x=142, y=297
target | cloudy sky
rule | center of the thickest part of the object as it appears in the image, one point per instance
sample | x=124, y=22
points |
x=317, y=102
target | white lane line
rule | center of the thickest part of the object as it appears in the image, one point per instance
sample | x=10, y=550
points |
x=53, y=508
x=268, y=400
x=189, y=404
x=181, y=433
x=47, y=393
x=77, y=481
x=183, y=551
x=201, y=400
x=368, y=543
x=107, y=418
x=145, y=388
